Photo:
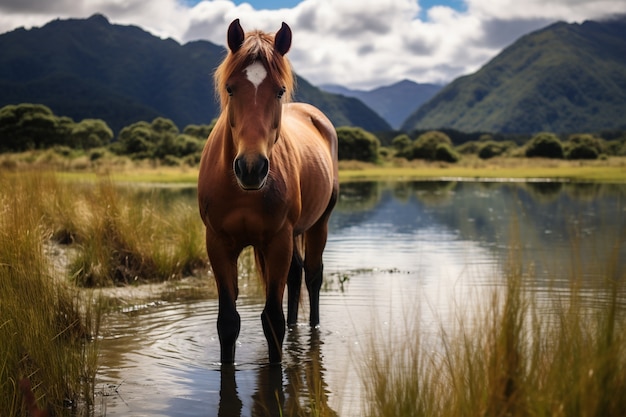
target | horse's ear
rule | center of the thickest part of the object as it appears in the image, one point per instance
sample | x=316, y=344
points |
x=282, y=40
x=235, y=36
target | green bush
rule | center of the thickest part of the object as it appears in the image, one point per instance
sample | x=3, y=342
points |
x=491, y=149
x=544, y=145
x=582, y=151
x=446, y=153
x=27, y=126
x=469, y=148
x=357, y=144
x=401, y=143
x=583, y=146
x=432, y=146
x=90, y=133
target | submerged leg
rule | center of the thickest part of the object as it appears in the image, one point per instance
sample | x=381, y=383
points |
x=224, y=265
x=273, y=320
x=277, y=255
x=315, y=242
x=228, y=325
x=314, y=284
x=294, y=284
x=313, y=268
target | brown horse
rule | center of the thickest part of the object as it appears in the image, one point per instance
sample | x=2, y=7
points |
x=268, y=176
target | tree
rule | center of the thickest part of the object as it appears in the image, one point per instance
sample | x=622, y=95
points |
x=90, y=133
x=491, y=149
x=544, y=145
x=446, y=153
x=200, y=131
x=583, y=146
x=357, y=144
x=401, y=143
x=433, y=146
x=136, y=140
x=26, y=126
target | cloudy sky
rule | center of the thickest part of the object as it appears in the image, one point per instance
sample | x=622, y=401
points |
x=356, y=43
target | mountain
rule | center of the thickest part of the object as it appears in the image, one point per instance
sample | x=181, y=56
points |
x=393, y=102
x=563, y=78
x=90, y=68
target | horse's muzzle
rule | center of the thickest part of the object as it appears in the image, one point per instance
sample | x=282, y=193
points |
x=251, y=171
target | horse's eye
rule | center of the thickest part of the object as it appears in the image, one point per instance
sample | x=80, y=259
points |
x=229, y=90
x=281, y=92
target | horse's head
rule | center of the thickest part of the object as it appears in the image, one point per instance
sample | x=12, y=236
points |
x=252, y=82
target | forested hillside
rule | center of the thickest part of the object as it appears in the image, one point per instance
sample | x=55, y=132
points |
x=89, y=68
x=564, y=78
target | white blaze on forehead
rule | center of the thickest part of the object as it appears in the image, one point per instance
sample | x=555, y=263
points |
x=256, y=73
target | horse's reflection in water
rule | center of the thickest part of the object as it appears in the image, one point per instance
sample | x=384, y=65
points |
x=295, y=388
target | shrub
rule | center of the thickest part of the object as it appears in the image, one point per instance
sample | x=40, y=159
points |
x=426, y=147
x=471, y=147
x=446, y=153
x=583, y=146
x=545, y=145
x=582, y=151
x=492, y=149
x=401, y=143
x=357, y=144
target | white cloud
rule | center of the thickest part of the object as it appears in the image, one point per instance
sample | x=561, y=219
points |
x=360, y=44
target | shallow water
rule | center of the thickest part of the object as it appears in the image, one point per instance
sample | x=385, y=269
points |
x=397, y=252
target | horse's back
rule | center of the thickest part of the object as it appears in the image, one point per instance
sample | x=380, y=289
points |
x=314, y=138
x=313, y=118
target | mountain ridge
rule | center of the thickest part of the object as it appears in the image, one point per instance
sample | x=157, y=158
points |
x=393, y=102
x=564, y=78
x=90, y=68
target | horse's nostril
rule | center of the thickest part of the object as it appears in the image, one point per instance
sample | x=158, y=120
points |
x=240, y=167
x=251, y=172
x=263, y=166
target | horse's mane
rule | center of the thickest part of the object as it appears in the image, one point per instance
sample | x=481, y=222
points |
x=257, y=45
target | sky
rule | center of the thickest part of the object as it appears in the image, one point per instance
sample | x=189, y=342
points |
x=360, y=44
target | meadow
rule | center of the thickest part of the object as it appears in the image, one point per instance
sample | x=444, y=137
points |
x=525, y=355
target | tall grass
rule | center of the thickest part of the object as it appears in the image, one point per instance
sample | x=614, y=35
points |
x=53, y=232
x=124, y=240
x=526, y=353
x=46, y=333
x=116, y=236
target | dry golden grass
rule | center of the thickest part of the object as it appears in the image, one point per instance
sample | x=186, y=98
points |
x=472, y=168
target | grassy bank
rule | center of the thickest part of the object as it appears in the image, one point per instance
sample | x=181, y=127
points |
x=611, y=169
x=47, y=334
x=521, y=354
x=56, y=236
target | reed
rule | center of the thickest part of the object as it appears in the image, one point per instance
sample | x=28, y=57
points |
x=47, y=334
x=562, y=353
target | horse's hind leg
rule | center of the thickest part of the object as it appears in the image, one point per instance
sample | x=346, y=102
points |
x=313, y=267
x=294, y=284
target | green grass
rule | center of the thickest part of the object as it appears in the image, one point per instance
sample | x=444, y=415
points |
x=522, y=354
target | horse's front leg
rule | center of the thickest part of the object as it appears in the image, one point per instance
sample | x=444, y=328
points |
x=224, y=265
x=277, y=255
